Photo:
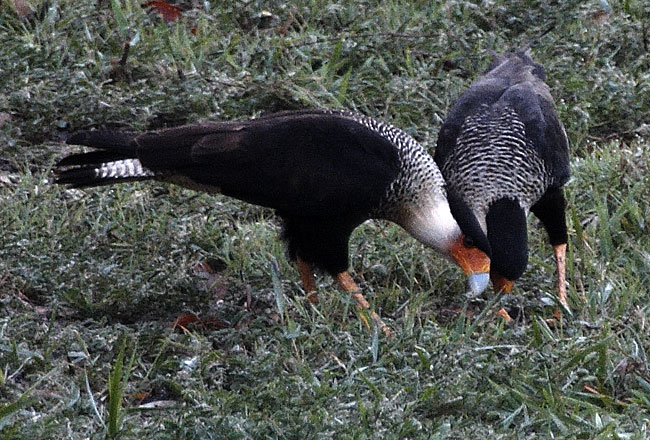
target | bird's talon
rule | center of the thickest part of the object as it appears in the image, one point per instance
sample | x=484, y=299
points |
x=552, y=322
x=504, y=314
x=557, y=314
x=386, y=330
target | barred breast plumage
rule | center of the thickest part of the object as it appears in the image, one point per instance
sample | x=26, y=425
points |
x=494, y=159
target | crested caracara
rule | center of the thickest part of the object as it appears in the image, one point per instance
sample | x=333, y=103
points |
x=504, y=151
x=323, y=172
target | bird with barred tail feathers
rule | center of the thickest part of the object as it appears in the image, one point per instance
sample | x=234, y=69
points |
x=324, y=172
x=504, y=151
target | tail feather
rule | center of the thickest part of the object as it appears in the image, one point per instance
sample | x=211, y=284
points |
x=114, y=161
x=96, y=174
x=111, y=140
x=90, y=158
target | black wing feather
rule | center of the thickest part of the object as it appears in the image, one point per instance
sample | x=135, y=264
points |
x=92, y=158
x=118, y=141
x=310, y=165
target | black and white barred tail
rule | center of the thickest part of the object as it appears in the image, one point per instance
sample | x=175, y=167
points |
x=115, y=162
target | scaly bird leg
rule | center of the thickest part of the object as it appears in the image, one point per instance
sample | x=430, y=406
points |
x=307, y=277
x=560, y=260
x=347, y=283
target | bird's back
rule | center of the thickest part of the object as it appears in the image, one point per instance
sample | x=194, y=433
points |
x=310, y=162
x=502, y=138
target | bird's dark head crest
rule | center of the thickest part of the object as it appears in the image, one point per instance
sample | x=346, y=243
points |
x=508, y=237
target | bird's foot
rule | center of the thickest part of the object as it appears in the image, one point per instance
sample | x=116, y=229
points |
x=347, y=283
x=504, y=314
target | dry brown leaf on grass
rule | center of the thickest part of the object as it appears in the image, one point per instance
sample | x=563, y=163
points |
x=185, y=319
x=169, y=12
x=214, y=281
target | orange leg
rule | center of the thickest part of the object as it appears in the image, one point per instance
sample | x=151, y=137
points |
x=307, y=278
x=504, y=314
x=560, y=260
x=347, y=283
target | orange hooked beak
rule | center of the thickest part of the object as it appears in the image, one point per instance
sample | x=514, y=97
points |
x=474, y=262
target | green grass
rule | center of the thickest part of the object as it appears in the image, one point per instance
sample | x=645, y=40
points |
x=90, y=281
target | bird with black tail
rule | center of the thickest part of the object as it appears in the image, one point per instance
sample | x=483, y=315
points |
x=324, y=172
x=504, y=152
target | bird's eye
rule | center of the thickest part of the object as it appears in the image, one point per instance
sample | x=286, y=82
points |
x=468, y=241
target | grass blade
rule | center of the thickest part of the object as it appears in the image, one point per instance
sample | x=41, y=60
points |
x=116, y=383
x=120, y=18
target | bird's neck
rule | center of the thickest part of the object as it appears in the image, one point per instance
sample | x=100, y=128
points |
x=430, y=221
